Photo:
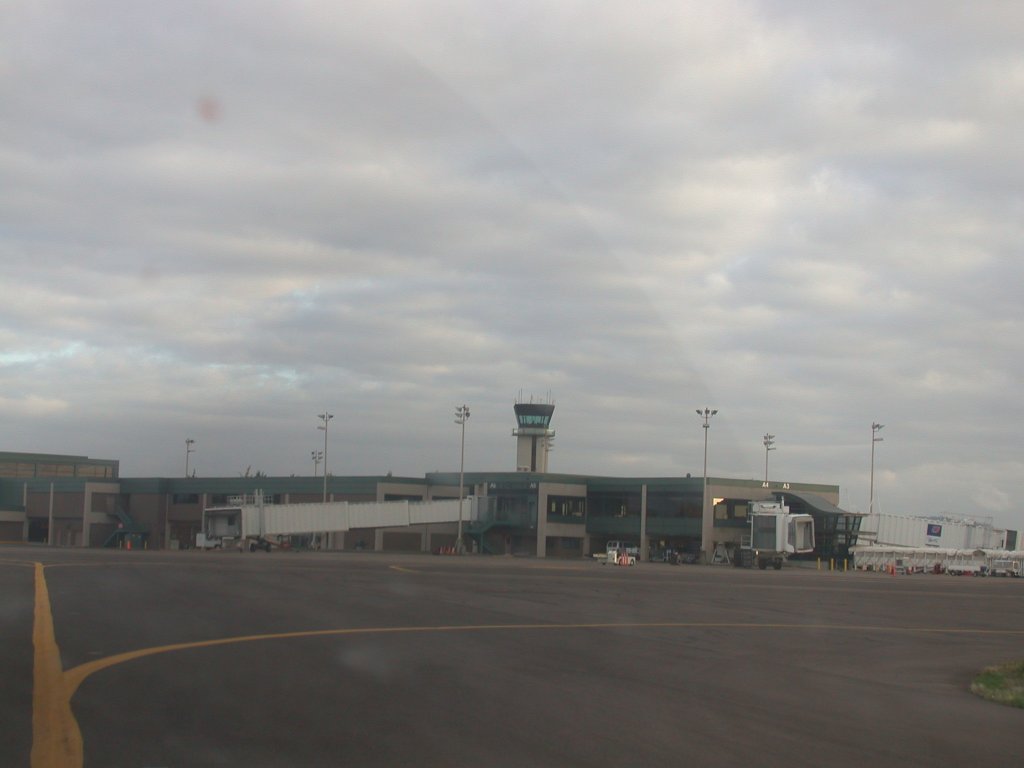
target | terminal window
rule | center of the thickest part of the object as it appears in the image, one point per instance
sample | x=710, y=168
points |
x=17, y=469
x=567, y=506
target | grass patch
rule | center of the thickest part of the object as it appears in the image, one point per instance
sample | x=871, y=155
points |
x=1003, y=684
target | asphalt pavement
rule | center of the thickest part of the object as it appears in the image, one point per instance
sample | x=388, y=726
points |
x=330, y=659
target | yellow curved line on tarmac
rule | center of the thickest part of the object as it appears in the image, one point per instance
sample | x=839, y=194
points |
x=76, y=675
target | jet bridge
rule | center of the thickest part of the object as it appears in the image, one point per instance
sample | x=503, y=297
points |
x=255, y=517
x=775, y=534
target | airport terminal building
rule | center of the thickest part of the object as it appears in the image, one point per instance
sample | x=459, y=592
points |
x=520, y=513
x=83, y=502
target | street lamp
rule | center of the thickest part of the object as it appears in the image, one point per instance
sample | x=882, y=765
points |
x=875, y=428
x=318, y=456
x=325, y=417
x=461, y=417
x=189, y=442
x=706, y=414
x=769, y=443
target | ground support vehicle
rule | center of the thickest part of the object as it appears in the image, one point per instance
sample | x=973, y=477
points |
x=619, y=557
x=620, y=553
x=1006, y=567
x=254, y=543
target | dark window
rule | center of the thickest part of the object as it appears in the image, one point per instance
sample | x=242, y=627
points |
x=567, y=506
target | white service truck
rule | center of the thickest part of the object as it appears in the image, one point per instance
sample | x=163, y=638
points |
x=966, y=567
x=775, y=533
x=1006, y=567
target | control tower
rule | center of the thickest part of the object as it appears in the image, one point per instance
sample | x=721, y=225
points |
x=534, y=435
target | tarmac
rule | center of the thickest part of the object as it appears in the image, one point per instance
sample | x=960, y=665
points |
x=114, y=658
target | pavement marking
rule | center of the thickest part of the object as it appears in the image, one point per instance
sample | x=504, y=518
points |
x=76, y=676
x=26, y=563
x=108, y=563
x=559, y=568
x=56, y=738
x=401, y=569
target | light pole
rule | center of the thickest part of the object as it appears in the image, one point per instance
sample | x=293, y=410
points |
x=318, y=456
x=706, y=414
x=769, y=443
x=325, y=417
x=189, y=443
x=461, y=417
x=875, y=428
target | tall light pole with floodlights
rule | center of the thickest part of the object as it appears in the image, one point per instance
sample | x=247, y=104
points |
x=875, y=428
x=769, y=445
x=325, y=417
x=189, y=448
x=705, y=414
x=461, y=417
x=317, y=456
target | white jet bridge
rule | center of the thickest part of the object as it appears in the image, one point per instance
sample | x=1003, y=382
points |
x=255, y=518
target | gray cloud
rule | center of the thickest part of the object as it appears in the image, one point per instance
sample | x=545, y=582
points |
x=216, y=223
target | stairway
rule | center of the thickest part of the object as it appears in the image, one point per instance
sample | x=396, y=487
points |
x=127, y=529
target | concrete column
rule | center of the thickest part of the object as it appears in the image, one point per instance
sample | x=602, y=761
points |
x=49, y=529
x=326, y=536
x=165, y=511
x=425, y=539
x=542, y=524
x=378, y=540
x=643, y=523
x=86, y=515
x=707, y=525
x=24, y=505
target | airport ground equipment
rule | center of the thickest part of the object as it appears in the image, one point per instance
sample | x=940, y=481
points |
x=1005, y=566
x=775, y=534
x=621, y=553
x=955, y=562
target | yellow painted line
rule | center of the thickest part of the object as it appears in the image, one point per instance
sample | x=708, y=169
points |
x=56, y=739
x=77, y=675
x=26, y=563
x=401, y=569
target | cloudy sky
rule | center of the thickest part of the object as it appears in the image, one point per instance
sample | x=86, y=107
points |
x=219, y=219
